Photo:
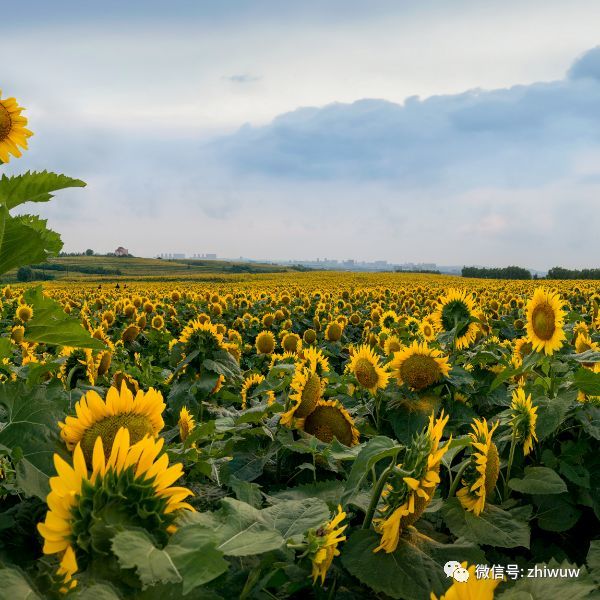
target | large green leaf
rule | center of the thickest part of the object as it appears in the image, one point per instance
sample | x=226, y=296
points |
x=415, y=569
x=296, y=516
x=135, y=550
x=563, y=580
x=376, y=448
x=33, y=187
x=25, y=240
x=15, y=584
x=556, y=512
x=51, y=325
x=30, y=430
x=194, y=554
x=539, y=480
x=587, y=381
x=98, y=591
x=493, y=527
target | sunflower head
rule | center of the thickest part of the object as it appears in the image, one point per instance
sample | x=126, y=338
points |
x=419, y=366
x=141, y=415
x=186, y=423
x=291, y=342
x=309, y=336
x=456, y=311
x=322, y=544
x=366, y=367
x=475, y=588
x=306, y=391
x=333, y=332
x=24, y=313
x=480, y=477
x=392, y=344
x=331, y=420
x=265, y=342
x=249, y=385
x=130, y=488
x=13, y=129
x=405, y=498
x=545, y=319
x=524, y=419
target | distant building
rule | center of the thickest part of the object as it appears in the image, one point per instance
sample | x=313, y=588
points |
x=172, y=255
x=120, y=251
x=207, y=256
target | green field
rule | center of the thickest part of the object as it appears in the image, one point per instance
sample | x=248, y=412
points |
x=114, y=267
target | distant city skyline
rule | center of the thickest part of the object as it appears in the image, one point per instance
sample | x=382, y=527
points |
x=412, y=131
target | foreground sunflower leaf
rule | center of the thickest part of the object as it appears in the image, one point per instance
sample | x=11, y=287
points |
x=29, y=417
x=98, y=591
x=135, y=550
x=493, y=527
x=539, y=480
x=412, y=571
x=33, y=187
x=574, y=583
x=51, y=325
x=15, y=583
x=24, y=240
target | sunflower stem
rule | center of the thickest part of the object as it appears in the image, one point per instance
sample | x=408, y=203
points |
x=511, y=456
x=457, y=479
x=377, y=494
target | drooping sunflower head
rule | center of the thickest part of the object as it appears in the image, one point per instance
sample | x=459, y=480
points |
x=419, y=366
x=141, y=415
x=480, y=477
x=17, y=333
x=331, y=420
x=132, y=487
x=322, y=544
x=388, y=320
x=13, y=129
x=545, y=319
x=185, y=423
x=306, y=391
x=291, y=342
x=120, y=378
x=265, y=342
x=79, y=363
x=406, y=497
x=366, y=367
x=524, y=419
x=249, y=385
x=130, y=333
x=456, y=310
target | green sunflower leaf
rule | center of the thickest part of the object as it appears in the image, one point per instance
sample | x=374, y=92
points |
x=14, y=582
x=539, y=480
x=135, y=550
x=412, y=571
x=51, y=325
x=33, y=186
x=493, y=527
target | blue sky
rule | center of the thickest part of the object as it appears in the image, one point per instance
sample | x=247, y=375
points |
x=452, y=132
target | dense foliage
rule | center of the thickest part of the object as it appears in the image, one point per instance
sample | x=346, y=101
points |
x=496, y=273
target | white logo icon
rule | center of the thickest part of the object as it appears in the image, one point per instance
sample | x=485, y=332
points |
x=454, y=569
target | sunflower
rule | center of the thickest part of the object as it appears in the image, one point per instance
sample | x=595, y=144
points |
x=323, y=545
x=524, y=418
x=475, y=588
x=78, y=363
x=419, y=366
x=331, y=420
x=24, y=312
x=406, y=497
x=583, y=397
x=333, y=332
x=130, y=333
x=388, y=320
x=186, y=423
x=480, y=477
x=315, y=360
x=13, y=132
x=130, y=487
x=265, y=342
x=17, y=333
x=291, y=342
x=427, y=329
x=307, y=389
x=157, y=322
x=366, y=367
x=522, y=348
x=545, y=319
x=140, y=415
x=120, y=378
x=392, y=344
x=201, y=332
x=309, y=336
x=456, y=310
x=250, y=383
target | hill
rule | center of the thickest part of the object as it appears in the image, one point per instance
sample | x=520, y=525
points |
x=114, y=267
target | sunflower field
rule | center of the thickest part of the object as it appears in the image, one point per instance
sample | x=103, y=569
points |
x=320, y=435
